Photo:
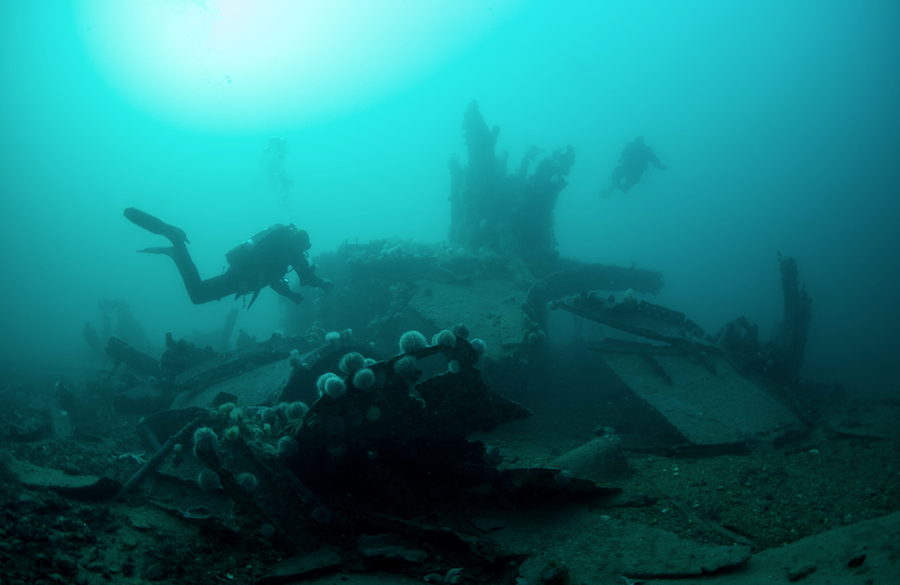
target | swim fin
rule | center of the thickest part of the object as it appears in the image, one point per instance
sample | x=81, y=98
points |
x=167, y=250
x=155, y=226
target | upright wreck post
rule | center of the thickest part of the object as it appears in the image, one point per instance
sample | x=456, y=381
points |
x=473, y=187
x=511, y=213
x=795, y=328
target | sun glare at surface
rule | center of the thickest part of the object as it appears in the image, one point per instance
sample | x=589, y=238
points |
x=234, y=65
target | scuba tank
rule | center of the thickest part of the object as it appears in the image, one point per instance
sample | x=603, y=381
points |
x=251, y=253
x=261, y=259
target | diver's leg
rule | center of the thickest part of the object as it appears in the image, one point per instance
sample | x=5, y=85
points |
x=630, y=182
x=155, y=225
x=194, y=285
x=188, y=270
x=617, y=175
x=201, y=291
x=615, y=178
x=211, y=289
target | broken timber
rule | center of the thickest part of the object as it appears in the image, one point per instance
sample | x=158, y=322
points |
x=690, y=382
x=640, y=318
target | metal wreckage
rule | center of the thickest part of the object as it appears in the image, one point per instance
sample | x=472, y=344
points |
x=351, y=455
x=380, y=471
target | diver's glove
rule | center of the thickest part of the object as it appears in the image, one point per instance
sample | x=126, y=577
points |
x=326, y=286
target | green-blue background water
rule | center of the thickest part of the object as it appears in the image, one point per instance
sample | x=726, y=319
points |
x=778, y=121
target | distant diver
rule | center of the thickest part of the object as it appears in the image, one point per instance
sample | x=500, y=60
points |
x=274, y=165
x=632, y=166
x=261, y=261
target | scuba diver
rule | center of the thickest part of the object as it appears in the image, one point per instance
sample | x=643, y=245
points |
x=274, y=165
x=261, y=261
x=632, y=165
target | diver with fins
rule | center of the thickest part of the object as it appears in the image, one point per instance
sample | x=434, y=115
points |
x=263, y=260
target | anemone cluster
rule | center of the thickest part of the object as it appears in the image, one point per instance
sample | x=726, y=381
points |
x=262, y=424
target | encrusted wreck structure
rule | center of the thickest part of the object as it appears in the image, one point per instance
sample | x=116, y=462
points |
x=347, y=454
x=510, y=213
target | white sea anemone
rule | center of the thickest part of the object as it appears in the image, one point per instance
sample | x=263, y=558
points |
x=296, y=410
x=247, y=481
x=335, y=387
x=372, y=414
x=412, y=341
x=406, y=367
x=352, y=362
x=288, y=447
x=461, y=330
x=208, y=480
x=205, y=441
x=364, y=379
x=267, y=416
x=445, y=338
x=320, y=383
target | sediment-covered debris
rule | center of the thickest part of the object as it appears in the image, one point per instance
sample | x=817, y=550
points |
x=140, y=361
x=636, y=317
x=367, y=455
x=686, y=371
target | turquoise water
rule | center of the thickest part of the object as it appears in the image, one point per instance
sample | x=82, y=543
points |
x=778, y=123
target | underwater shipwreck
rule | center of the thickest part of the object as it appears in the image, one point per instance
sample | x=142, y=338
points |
x=453, y=414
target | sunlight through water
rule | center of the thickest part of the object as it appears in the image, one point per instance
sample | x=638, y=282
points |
x=230, y=65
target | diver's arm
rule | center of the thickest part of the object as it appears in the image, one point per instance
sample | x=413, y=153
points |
x=281, y=287
x=655, y=160
x=308, y=277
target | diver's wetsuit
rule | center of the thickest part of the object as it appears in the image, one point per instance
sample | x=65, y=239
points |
x=265, y=266
x=633, y=164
